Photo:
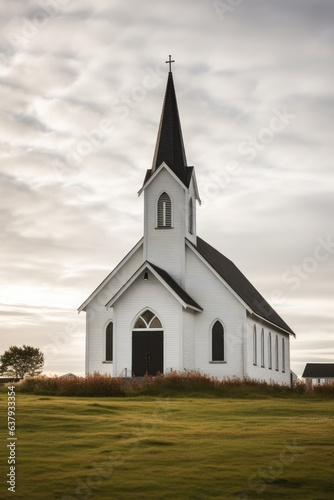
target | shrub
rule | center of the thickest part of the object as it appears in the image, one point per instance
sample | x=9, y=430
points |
x=176, y=384
x=92, y=385
x=38, y=385
x=299, y=387
x=324, y=390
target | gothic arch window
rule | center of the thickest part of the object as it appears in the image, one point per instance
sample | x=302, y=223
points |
x=164, y=211
x=270, y=353
x=283, y=355
x=276, y=353
x=109, y=341
x=262, y=348
x=217, y=342
x=190, y=216
x=147, y=320
x=254, y=346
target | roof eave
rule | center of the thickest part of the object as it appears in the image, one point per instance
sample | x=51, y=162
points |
x=142, y=268
x=163, y=165
x=273, y=324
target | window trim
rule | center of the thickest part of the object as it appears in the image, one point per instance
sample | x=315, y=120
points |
x=190, y=216
x=139, y=315
x=217, y=361
x=254, y=346
x=283, y=355
x=262, y=349
x=270, y=352
x=106, y=341
x=164, y=224
x=276, y=354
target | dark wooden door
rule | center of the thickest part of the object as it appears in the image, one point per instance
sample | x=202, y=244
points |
x=155, y=353
x=147, y=353
x=139, y=350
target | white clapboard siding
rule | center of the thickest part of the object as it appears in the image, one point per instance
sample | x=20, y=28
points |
x=187, y=334
x=142, y=295
x=165, y=247
x=189, y=329
x=218, y=303
x=97, y=320
x=97, y=317
x=265, y=372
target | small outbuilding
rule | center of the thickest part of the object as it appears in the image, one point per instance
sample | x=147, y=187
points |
x=318, y=373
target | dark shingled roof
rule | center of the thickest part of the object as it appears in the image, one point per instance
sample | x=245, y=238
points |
x=319, y=370
x=169, y=146
x=174, y=286
x=240, y=284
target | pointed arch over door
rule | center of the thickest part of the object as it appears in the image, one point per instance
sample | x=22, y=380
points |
x=147, y=320
x=147, y=345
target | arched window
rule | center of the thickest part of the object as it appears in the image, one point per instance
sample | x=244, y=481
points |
x=190, y=217
x=283, y=355
x=254, y=346
x=217, y=342
x=270, y=353
x=147, y=320
x=109, y=341
x=262, y=348
x=164, y=215
x=276, y=353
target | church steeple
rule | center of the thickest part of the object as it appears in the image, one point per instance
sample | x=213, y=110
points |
x=170, y=194
x=169, y=146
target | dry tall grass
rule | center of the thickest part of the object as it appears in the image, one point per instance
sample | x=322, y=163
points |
x=172, y=384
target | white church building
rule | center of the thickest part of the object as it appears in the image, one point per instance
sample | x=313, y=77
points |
x=174, y=302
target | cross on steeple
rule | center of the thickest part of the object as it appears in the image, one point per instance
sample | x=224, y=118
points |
x=170, y=63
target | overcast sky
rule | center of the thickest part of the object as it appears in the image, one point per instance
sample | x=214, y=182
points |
x=82, y=85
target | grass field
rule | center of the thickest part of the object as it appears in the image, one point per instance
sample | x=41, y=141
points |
x=170, y=448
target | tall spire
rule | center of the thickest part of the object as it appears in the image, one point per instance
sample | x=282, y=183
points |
x=169, y=146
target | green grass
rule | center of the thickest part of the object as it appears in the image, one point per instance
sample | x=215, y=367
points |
x=170, y=448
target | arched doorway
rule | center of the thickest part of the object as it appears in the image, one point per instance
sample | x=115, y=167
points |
x=147, y=345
